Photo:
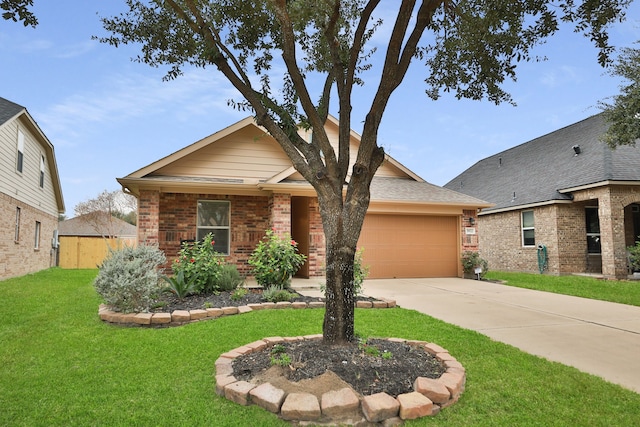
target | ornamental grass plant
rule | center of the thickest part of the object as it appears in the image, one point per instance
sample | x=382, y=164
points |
x=61, y=366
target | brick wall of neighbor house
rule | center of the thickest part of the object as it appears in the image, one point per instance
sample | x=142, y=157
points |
x=500, y=241
x=19, y=258
x=177, y=222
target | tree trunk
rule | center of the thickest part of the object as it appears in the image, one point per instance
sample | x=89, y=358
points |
x=338, y=322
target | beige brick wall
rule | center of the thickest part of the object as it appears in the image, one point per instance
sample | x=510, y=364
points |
x=20, y=257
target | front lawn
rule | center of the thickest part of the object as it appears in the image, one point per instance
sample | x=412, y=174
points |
x=620, y=291
x=61, y=366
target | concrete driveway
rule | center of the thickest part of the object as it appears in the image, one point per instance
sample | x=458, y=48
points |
x=597, y=337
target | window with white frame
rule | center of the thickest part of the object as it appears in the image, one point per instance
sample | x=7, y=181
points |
x=37, y=236
x=528, y=229
x=16, y=237
x=41, y=171
x=20, y=159
x=213, y=217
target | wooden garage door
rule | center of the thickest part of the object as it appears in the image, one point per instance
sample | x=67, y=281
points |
x=410, y=246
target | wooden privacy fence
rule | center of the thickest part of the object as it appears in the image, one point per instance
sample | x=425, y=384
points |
x=88, y=252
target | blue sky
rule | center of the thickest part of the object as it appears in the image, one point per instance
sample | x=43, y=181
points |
x=108, y=116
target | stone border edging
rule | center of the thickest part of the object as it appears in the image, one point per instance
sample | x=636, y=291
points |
x=345, y=405
x=180, y=317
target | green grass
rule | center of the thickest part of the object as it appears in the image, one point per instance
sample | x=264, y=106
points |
x=61, y=366
x=620, y=291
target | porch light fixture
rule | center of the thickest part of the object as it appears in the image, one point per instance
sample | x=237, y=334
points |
x=576, y=149
x=472, y=220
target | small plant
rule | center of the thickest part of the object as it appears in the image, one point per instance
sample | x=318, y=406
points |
x=471, y=260
x=129, y=278
x=277, y=294
x=275, y=259
x=387, y=355
x=279, y=357
x=238, y=294
x=208, y=304
x=179, y=286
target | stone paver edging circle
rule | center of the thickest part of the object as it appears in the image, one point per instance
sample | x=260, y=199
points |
x=344, y=406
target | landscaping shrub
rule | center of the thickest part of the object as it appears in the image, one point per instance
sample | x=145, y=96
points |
x=179, y=286
x=228, y=278
x=129, y=278
x=275, y=260
x=634, y=256
x=471, y=260
x=200, y=264
x=277, y=294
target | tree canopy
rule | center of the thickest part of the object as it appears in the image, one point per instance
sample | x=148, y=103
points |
x=288, y=58
x=623, y=113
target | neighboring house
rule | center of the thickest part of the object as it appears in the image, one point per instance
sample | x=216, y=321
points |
x=566, y=191
x=238, y=182
x=85, y=240
x=30, y=194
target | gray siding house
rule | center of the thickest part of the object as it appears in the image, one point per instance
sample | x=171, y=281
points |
x=30, y=194
x=563, y=203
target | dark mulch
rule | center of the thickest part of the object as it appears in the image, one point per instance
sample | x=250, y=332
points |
x=367, y=374
x=168, y=302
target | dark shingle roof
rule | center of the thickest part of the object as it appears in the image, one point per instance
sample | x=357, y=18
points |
x=538, y=170
x=8, y=109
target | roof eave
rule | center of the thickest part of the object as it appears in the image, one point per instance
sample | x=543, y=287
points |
x=525, y=206
x=596, y=185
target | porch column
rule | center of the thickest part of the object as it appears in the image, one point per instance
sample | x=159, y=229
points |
x=614, y=255
x=148, y=217
x=280, y=212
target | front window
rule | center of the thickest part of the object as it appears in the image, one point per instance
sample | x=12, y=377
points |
x=213, y=217
x=528, y=229
x=593, y=230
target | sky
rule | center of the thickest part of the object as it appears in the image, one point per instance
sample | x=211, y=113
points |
x=108, y=116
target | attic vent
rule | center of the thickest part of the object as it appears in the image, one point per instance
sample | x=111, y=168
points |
x=513, y=199
x=576, y=149
x=499, y=161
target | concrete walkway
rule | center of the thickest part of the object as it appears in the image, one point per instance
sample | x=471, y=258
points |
x=597, y=337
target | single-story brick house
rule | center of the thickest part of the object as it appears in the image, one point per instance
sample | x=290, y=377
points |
x=30, y=194
x=238, y=182
x=566, y=191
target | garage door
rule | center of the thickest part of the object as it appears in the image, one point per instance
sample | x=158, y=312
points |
x=410, y=246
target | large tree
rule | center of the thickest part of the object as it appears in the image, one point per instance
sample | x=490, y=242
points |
x=315, y=49
x=623, y=112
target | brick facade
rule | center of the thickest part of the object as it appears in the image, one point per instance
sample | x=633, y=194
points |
x=561, y=228
x=21, y=257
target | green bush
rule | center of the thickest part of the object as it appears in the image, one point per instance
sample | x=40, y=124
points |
x=228, y=278
x=634, y=256
x=129, y=278
x=471, y=260
x=179, y=286
x=275, y=260
x=200, y=263
x=277, y=294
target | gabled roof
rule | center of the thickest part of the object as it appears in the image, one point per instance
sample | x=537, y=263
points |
x=96, y=225
x=546, y=169
x=11, y=111
x=244, y=159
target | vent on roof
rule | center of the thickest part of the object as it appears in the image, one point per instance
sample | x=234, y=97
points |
x=499, y=161
x=576, y=149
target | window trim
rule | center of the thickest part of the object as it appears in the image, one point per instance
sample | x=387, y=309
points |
x=523, y=228
x=42, y=170
x=16, y=236
x=217, y=227
x=36, y=244
x=20, y=152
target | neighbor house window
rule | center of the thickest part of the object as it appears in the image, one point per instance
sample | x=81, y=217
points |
x=528, y=229
x=37, y=236
x=213, y=217
x=20, y=159
x=41, y=171
x=593, y=230
x=16, y=237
